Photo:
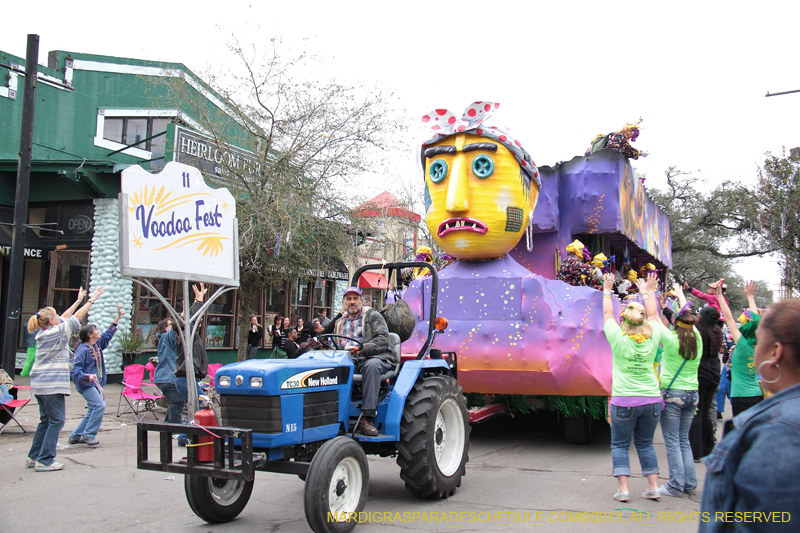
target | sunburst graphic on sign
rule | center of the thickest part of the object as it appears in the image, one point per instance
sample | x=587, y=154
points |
x=160, y=198
x=137, y=242
x=225, y=206
x=208, y=243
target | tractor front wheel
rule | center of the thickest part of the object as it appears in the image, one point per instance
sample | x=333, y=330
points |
x=434, y=438
x=337, y=484
x=217, y=500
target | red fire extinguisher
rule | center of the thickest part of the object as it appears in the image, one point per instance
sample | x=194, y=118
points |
x=206, y=418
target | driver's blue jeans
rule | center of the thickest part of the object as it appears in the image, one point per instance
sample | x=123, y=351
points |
x=371, y=370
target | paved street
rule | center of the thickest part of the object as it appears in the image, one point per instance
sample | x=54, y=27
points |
x=518, y=469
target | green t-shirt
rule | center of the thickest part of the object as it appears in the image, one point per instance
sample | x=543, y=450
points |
x=672, y=361
x=632, y=364
x=744, y=376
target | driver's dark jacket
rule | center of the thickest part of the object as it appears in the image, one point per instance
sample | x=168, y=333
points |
x=375, y=334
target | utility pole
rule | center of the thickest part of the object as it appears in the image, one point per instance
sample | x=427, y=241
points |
x=13, y=311
x=778, y=94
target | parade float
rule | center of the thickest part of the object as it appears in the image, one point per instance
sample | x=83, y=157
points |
x=523, y=338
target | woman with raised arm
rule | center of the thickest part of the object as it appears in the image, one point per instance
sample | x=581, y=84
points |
x=754, y=469
x=50, y=378
x=745, y=390
x=679, y=387
x=89, y=376
x=635, y=398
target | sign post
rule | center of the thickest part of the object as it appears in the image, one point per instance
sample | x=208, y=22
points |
x=174, y=226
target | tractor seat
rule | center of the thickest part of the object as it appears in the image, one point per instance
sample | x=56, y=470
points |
x=395, y=340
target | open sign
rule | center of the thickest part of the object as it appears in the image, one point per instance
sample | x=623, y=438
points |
x=79, y=224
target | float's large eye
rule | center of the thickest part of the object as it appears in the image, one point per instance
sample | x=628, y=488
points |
x=438, y=170
x=482, y=166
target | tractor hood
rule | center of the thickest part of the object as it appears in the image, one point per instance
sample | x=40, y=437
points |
x=311, y=372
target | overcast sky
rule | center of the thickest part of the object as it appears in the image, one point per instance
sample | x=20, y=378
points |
x=696, y=72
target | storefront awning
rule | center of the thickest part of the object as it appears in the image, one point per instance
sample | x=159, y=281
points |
x=35, y=248
x=373, y=280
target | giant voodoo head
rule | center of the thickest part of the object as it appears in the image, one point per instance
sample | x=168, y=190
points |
x=481, y=186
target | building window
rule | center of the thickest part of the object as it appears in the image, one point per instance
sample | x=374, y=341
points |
x=150, y=311
x=300, y=302
x=323, y=294
x=130, y=130
x=69, y=271
x=220, y=320
x=274, y=299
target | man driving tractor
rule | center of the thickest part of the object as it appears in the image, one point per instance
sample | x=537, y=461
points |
x=372, y=359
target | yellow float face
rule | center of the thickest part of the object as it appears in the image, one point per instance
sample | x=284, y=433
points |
x=479, y=204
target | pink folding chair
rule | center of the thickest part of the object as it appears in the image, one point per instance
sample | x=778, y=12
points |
x=14, y=407
x=212, y=371
x=134, y=396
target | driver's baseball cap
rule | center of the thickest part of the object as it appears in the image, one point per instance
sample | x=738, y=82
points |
x=352, y=289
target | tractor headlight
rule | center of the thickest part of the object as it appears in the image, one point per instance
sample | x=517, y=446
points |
x=256, y=382
x=224, y=381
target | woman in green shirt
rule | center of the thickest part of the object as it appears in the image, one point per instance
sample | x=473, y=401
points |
x=745, y=390
x=635, y=398
x=679, y=379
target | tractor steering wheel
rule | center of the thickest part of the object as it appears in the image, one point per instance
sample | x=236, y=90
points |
x=336, y=344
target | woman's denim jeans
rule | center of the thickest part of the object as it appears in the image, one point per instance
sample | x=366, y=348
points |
x=639, y=422
x=724, y=389
x=96, y=408
x=675, y=423
x=52, y=416
x=176, y=402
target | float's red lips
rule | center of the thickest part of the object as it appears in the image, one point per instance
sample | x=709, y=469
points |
x=461, y=224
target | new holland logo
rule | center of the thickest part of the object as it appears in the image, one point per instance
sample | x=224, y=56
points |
x=312, y=378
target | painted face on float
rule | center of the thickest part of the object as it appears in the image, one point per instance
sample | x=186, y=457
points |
x=480, y=204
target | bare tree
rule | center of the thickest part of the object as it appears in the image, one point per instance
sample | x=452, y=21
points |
x=308, y=140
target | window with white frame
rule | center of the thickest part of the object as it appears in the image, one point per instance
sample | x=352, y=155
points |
x=118, y=128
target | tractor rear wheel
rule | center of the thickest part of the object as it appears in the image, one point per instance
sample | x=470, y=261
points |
x=337, y=484
x=434, y=438
x=217, y=500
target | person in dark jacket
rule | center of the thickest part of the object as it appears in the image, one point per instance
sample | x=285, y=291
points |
x=254, y=336
x=164, y=376
x=372, y=357
x=701, y=434
x=89, y=376
x=291, y=347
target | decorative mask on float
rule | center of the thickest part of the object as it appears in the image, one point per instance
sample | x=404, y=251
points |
x=481, y=186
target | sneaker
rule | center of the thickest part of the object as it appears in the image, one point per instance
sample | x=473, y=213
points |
x=719, y=415
x=669, y=491
x=621, y=496
x=30, y=463
x=652, y=494
x=89, y=441
x=73, y=440
x=48, y=468
x=690, y=492
x=367, y=427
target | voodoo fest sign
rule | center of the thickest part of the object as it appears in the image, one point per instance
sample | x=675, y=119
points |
x=174, y=226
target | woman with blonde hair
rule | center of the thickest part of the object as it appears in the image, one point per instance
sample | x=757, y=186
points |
x=50, y=377
x=635, y=398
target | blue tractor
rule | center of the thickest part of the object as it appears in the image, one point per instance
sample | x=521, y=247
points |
x=299, y=416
